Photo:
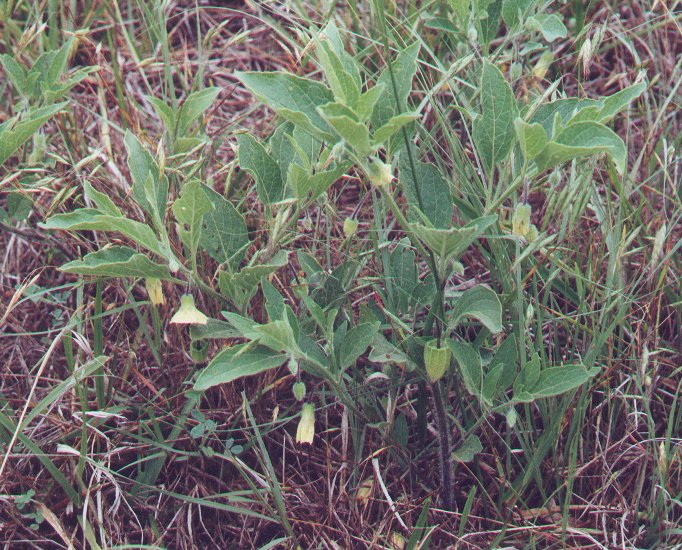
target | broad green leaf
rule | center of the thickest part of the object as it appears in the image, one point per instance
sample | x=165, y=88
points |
x=277, y=336
x=254, y=159
x=164, y=111
x=394, y=100
x=493, y=130
x=117, y=261
x=505, y=362
x=237, y=362
x=346, y=89
x=402, y=277
x=557, y=380
x=189, y=210
x=15, y=72
x=336, y=43
x=450, y=243
x=384, y=351
x=102, y=200
x=532, y=138
x=214, y=329
x=488, y=12
x=461, y=9
x=469, y=362
x=309, y=187
x=224, y=236
x=425, y=189
x=566, y=108
x=479, y=303
x=293, y=97
x=15, y=132
x=468, y=450
x=355, y=343
x=354, y=133
x=609, y=107
x=150, y=188
x=528, y=376
x=87, y=219
x=196, y=104
x=364, y=106
x=381, y=135
x=249, y=276
x=515, y=11
x=583, y=139
x=551, y=26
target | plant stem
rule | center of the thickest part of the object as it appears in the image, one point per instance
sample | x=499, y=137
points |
x=445, y=441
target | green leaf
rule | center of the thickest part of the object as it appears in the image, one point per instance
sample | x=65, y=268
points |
x=488, y=12
x=277, y=335
x=391, y=103
x=196, y=104
x=345, y=124
x=557, y=380
x=355, y=343
x=528, y=377
x=248, y=277
x=150, y=189
x=293, y=97
x=336, y=43
x=346, y=89
x=214, y=329
x=224, y=233
x=365, y=104
x=609, y=107
x=566, y=108
x=87, y=219
x=189, y=210
x=505, y=361
x=515, y=11
x=383, y=134
x=117, y=261
x=468, y=450
x=551, y=26
x=256, y=161
x=583, y=139
x=479, y=303
x=309, y=187
x=14, y=132
x=427, y=184
x=15, y=72
x=237, y=362
x=384, y=351
x=164, y=111
x=103, y=201
x=532, y=138
x=493, y=130
x=469, y=362
x=451, y=243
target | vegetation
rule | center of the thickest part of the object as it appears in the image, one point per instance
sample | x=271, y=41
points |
x=396, y=275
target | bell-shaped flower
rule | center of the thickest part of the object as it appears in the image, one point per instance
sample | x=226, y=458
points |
x=188, y=314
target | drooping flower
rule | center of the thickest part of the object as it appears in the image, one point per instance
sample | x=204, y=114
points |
x=155, y=291
x=521, y=220
x=188, y=314
x=306, y=426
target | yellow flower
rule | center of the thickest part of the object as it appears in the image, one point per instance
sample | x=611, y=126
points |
x=380, y=173
x=155, y=291
x=188, y=314
x=306, y=426
x=350, y=226
x=521, y=220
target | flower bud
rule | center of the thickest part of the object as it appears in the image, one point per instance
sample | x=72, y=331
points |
x=155, y=291
x=299, y=391
x=436, y=360
x=350, y=226
x=521, y=220
x=306, y=426
x=188, y=314
x=380, y=173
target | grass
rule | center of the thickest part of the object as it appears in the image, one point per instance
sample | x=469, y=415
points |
x=105, y=444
